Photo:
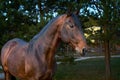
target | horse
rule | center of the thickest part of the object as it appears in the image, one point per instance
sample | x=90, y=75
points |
x=35, y=60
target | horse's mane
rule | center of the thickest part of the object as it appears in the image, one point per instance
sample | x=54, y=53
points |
x=44, y=28
x=77, y=21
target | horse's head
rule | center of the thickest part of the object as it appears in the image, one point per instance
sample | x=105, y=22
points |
x=72, y=33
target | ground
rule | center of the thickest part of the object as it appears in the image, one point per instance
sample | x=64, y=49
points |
x=86, y=68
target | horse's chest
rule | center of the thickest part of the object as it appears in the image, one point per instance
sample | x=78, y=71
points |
x=38, y=72
x=38, y=67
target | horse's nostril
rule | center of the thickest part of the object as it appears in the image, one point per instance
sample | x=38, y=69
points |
x=81, y=51
x=84, y=50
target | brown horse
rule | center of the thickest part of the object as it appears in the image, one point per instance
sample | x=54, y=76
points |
x=35, y=60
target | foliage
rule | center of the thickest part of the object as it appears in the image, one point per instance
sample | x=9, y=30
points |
x=25, y=18
x=20, y=18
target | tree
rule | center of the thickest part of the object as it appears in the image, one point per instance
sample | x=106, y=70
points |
x=108, y=16
x=17, y=16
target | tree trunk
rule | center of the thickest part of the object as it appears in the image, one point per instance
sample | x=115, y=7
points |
x=107, y=60
x=107, y=54
x=41, y=11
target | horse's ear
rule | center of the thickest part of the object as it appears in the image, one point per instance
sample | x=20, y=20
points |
x=68, y=13
x=76, y=12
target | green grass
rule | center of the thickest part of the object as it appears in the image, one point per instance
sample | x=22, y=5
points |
x=91, y=69
x=1, y=70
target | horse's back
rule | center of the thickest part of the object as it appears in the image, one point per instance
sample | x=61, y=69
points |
x=12, y=43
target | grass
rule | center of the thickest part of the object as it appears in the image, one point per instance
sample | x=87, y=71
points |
x=91, y=69
x=1, y=70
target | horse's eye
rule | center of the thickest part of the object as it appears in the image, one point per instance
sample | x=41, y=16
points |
x=71, y=26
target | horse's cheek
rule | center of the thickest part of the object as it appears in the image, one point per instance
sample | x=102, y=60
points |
x=64, y=36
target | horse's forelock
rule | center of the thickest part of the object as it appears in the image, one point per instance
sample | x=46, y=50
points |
x=77, y=20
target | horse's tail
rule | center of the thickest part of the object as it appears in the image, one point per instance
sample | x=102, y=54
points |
x=5, y=52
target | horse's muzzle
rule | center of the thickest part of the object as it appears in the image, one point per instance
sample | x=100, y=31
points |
x=84, y=51
x=81, y=51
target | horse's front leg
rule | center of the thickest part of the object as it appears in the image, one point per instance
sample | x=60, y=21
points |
x=8, y=76
x=49, y=79
x=47, y=75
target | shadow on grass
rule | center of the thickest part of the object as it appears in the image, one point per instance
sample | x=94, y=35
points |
x=91, y=69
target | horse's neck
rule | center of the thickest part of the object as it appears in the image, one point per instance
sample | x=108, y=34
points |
x=51, y=39
x=51, y=52
x=48, y=39
x=48, y=36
